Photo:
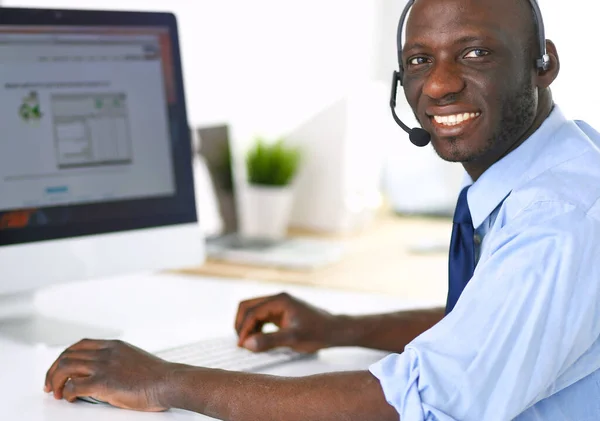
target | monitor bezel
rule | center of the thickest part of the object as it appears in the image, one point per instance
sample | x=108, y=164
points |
x=176, y=210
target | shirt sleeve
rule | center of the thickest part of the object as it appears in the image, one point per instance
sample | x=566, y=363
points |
x=529, y=313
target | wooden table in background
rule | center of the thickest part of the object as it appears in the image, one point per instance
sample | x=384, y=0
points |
x=400, y=255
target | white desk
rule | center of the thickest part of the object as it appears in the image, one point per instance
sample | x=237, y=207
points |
x=155, y=312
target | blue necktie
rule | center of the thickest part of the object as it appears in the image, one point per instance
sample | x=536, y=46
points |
x=461, y=262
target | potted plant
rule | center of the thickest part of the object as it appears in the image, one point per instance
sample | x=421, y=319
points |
x=268, y=197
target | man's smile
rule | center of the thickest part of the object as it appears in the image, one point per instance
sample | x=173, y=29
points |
x=453, y=123
x=454, y=119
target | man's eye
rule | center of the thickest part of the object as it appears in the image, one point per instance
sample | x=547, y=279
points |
x=476, y=53
x=415, y=61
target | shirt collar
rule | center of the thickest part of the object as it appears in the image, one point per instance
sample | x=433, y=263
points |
x=500, y=179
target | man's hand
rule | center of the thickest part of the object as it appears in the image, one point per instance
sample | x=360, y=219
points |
x=110, y=371
x=302, y=327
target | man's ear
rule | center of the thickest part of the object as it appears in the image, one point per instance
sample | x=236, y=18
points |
x=546, y=77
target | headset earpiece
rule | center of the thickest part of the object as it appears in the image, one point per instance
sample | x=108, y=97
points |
x=543, y=64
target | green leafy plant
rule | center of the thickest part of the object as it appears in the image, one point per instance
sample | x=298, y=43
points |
x=272, y=164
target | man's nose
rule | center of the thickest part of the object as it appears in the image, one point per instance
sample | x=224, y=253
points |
x=444, y=79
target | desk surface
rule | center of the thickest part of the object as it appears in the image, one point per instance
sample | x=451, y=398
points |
x=398, y=255
x=155, y=312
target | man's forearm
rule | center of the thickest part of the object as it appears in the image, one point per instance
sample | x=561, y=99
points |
x=388, y=332
x=233, y=396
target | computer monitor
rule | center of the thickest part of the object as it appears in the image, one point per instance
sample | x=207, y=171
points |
x=95, y=156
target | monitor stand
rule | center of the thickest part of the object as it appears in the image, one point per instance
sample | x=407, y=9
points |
x=20, y=322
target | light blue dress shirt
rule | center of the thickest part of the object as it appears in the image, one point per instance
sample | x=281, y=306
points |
x=523, y=341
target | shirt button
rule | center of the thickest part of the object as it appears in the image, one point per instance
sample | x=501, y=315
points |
x=477, y=239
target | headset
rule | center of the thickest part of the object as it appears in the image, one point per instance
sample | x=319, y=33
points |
x=417, y=135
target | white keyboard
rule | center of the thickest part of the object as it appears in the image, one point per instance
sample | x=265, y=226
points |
x=223, y=353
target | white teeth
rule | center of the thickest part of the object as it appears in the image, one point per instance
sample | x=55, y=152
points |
x=453, y=120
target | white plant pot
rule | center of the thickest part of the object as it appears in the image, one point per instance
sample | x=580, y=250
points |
x=265, y=211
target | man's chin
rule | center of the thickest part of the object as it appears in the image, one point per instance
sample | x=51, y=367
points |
x=450, y=150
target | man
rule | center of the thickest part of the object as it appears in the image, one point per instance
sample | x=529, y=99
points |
x=522, y=340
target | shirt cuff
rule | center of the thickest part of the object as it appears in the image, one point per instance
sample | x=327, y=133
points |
x=399, y=375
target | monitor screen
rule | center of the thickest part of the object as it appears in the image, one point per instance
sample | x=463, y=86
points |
x=94, y=131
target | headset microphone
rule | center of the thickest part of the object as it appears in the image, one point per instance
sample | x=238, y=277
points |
x=417, y=136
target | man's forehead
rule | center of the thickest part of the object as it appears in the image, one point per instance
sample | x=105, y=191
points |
x=488, y=17
x=473, y=5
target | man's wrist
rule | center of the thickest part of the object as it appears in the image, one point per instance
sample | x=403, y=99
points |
x=172, y=391
x=343, y=332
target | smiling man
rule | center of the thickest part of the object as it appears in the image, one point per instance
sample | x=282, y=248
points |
x=519, y=337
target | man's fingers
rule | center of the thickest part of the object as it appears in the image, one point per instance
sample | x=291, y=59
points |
x=244, y=307
x=81, y=386
x=265, y=341
x=256, y=327
x=257, y=317
x=67, y=369
x=86, y=355
x=83, y=345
